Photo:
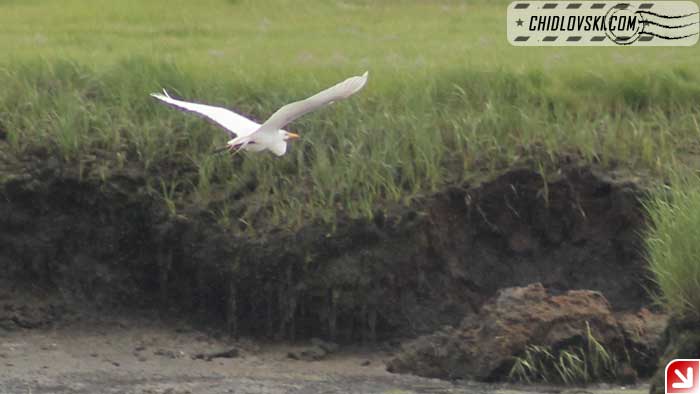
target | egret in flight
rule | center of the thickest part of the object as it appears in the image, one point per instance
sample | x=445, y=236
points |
x=256, y=137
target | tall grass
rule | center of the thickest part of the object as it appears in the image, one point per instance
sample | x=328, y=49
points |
x=400, y=137
x=447, y=98
x=672, y=245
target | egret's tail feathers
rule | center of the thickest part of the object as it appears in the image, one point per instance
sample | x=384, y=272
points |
x=161, y=96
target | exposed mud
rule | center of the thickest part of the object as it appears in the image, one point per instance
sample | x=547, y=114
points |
x=140, y=355
x=407, y=272
x=144, y=355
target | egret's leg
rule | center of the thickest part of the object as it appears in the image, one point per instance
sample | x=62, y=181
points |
x=233, y=149
x=219, y=150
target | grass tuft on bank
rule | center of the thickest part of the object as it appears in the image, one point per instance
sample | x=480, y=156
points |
x=573, y=364
x=673, y=248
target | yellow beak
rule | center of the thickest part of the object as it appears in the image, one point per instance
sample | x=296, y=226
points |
x=292, y=136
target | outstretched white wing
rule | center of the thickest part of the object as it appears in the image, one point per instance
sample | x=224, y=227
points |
x=296, y=109
x=234, y=123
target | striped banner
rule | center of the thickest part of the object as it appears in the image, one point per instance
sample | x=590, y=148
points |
x=603, y=23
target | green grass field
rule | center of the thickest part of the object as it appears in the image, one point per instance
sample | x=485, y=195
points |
x=447, y=98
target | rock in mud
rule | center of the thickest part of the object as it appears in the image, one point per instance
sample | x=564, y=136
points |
x=311, y=353
x=230, y=353
x=484, y=345
x=172, y=354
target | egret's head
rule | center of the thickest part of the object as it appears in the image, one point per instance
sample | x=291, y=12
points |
x=288, y=136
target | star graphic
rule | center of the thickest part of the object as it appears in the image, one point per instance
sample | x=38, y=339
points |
x=519, y=22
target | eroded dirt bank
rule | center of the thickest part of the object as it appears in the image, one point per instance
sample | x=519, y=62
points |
x=409, y=271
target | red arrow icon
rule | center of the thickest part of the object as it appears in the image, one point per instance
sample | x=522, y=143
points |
x=682, y=376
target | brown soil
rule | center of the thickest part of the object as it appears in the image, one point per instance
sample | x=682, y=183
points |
x=409, y=271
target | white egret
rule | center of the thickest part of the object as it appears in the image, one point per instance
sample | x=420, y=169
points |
x=256, y=137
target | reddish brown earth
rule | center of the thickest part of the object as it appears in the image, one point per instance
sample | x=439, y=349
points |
x=484, y=345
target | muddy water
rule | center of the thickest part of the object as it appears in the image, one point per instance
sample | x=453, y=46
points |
x=146, y=356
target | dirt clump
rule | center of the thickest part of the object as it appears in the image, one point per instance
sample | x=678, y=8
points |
x=484, y=346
